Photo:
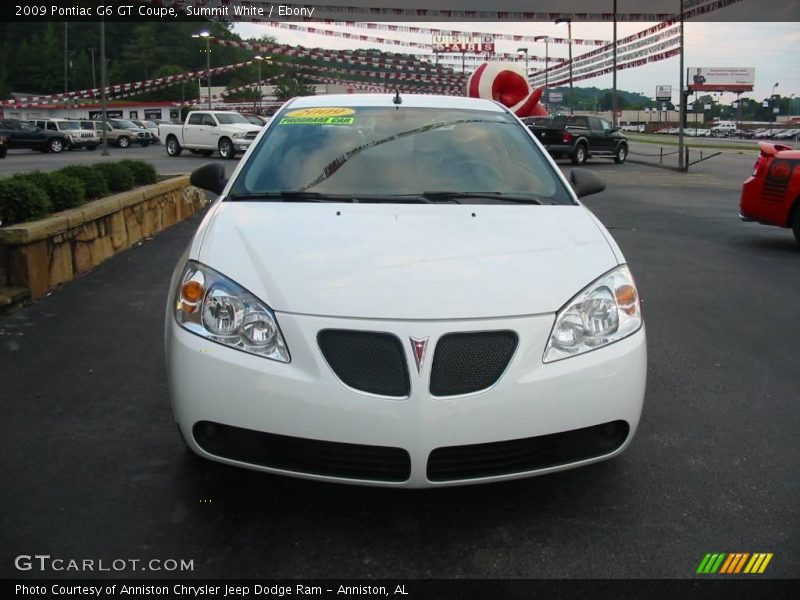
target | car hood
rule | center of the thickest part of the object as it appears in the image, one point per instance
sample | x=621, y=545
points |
x=407, y=261
x=242, y=127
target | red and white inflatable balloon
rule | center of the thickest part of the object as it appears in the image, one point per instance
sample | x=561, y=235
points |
x=507, y=83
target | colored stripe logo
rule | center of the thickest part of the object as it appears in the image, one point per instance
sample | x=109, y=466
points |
x=734, y=563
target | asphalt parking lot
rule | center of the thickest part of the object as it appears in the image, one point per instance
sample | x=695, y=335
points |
x=94, y=466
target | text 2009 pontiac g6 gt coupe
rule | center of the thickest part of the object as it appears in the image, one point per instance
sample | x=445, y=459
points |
x=403, y=292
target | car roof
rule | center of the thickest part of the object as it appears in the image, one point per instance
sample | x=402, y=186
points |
x=409, y=100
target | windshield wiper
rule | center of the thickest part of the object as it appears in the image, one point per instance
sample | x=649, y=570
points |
x=282, y=196
x=303, y=196
x=499, y=196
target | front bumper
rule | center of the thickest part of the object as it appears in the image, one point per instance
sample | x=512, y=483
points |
x=241, y=144
x=83, y=142
x=304, y=399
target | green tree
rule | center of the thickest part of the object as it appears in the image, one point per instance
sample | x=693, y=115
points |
x=288, y=87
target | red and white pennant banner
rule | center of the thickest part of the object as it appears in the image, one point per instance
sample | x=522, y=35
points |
x=391, y=42
x=621, y=67
x=454, y=32
x=365, y=13
x=140, y=86
x=367, y=87
x=581, y=64
x=706, y=8
x=395, y=62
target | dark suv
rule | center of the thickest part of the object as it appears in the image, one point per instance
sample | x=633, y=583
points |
x=21, y=134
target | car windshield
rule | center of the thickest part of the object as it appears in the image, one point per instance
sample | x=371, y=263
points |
x=87, y=125
x=68, y=125
x=230, y=118
x=407, y=151
x=150, y=124
x=123, y=124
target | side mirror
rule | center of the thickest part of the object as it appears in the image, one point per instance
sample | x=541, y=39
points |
x=209, y=177
x=585, y=182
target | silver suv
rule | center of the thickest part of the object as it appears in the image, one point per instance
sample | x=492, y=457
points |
x=77, y=137
x=123, y=133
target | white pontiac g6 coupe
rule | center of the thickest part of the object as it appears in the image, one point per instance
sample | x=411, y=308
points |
x=403, y=291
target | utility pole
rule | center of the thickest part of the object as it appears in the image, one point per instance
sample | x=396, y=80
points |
x=66, y=58
x=208, y=37
x=94, y=79
x=546, y=40
x=682, y=114
x=614, y=90
x=569, y=33
x=524, y=52
x=103, y=77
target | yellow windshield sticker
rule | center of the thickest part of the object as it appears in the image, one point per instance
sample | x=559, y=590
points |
x=321, y=111
x=317, y=121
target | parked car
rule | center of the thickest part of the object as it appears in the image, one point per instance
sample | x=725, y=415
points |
x=150, y=127
x=723, y=129
x=788, y=134
x=21, y=134
x=76, y=137
x=122, y=133
x=771, y=195
x=205, y=132
x=581, y=138
x=448, y=312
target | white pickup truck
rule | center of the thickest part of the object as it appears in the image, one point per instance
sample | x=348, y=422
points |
x=206, y=131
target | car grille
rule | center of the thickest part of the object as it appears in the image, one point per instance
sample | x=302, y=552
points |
x=299, y=455
x=251, y=135
x=464, y=363
x=518, y=456
x=367, y=361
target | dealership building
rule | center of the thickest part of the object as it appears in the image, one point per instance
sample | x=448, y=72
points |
x=166, y=111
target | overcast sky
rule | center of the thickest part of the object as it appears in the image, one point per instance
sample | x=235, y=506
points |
x=771, y=48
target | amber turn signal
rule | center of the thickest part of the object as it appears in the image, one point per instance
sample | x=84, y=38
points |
x=191, y=294
x=626, y=298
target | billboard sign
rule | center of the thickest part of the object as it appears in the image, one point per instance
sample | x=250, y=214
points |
x=463, y=43
x=721, y=79
x=555, y=97
x=663, y=93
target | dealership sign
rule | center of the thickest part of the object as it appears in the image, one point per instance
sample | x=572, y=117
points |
x=463, y=43
x=95, y=115
x=663, y=93
x=721, y=79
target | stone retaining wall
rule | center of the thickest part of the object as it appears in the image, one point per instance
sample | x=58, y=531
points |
x=42, y=254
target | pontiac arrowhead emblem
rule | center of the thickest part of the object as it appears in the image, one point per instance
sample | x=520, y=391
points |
x=418, y=346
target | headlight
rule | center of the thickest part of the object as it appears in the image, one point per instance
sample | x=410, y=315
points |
x=238, y=135
x=605, y=312
x=216, y=308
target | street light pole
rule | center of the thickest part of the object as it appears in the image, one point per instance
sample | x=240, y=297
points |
x=569, y=34
x=771, y=98
x=66, y=58
x=103, y=79
x=546, y=40
x=94, y=79
x=682, y=99
x=208, y=37
x=520, y=52
x=614, y=90
x=258, y=59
